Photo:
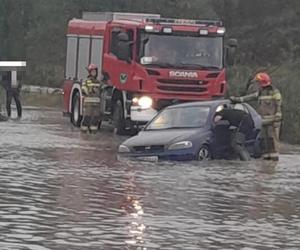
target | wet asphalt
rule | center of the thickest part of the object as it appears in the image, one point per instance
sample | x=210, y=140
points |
x=60, y=189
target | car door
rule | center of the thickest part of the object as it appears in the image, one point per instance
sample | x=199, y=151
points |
x=220, y=143
x=256, y=119
x=253, y=143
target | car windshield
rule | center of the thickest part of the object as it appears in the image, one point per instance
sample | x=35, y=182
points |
x=182, y=51
x=185, y=117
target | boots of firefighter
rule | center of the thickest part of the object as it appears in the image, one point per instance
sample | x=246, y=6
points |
x=238, y=145
x=94, y=124
x=266, y=142
x=268, y=153
x=85, y=124
x=276, y=142
x=95, y=118
x=274, y=153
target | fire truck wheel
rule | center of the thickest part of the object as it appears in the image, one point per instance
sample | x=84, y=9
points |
x=75, y=116
x=118, y=118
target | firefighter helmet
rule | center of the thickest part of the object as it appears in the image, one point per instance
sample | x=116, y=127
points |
x=264, y=79
x=92, y=67
x=122, y=36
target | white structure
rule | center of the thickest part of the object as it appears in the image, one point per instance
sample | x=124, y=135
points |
x=13, y=67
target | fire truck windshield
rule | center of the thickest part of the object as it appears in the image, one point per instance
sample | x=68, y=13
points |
x=181, y=51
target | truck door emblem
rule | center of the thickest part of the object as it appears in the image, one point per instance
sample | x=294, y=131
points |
x=123, y=78
x=185, y=74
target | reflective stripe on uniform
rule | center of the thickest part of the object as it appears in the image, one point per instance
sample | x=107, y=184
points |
x=277, y=96
x=93, y=84
x=94, y=128
x=92, y=99
x=268, y=117
x=265, y=97
x=84, y=128
x=249, y=97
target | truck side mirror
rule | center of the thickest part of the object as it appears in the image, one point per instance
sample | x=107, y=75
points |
x=231, y=51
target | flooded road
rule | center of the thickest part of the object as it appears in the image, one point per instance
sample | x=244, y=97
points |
x=63, y=190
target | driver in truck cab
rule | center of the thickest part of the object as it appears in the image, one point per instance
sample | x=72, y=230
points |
x=91, y=105
x=162, y=53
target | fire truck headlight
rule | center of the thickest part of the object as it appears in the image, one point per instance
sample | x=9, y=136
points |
x=135, y=100
x=145, y=102
x=203, y=32
x=221, y=30
x=167, y=30
x=149, y=28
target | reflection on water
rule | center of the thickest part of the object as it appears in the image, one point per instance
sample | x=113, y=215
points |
x=63, y=190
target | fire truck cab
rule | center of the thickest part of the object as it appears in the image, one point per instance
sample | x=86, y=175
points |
x=146, y=62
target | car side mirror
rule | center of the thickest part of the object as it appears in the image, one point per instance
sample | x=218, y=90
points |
x=231, y=51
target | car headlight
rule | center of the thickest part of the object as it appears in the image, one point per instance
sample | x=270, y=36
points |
x=181, y=145
x=145, y=102
x=123, y=149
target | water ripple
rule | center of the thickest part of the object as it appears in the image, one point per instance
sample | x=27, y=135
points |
x=63, y=190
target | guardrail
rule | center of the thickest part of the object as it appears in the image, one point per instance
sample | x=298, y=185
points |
x=40, y=89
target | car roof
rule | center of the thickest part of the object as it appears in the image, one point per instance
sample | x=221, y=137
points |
x=200, y=103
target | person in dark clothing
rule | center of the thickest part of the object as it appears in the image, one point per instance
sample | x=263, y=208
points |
x=243, y=125
x=13, y=89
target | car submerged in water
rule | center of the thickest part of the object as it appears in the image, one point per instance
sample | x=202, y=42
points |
x=186, y=132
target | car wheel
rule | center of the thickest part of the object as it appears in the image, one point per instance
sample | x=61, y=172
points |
x=203, y=153
x=75, y=115
x=118, y=118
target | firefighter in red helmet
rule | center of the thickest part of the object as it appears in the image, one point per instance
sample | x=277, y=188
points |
x=91, y=103
x=269, y=107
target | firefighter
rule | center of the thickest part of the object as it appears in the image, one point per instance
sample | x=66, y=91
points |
x=91, y=105
x=269, y=107
x=242, y=125
x=13, y=89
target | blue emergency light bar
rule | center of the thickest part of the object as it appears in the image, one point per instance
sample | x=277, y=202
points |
x=185, y=21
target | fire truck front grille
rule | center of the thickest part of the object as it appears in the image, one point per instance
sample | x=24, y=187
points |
x=170, y=85
x=149, y=149
x=182, y=82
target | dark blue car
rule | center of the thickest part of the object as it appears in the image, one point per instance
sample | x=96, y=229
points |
x=187, y=132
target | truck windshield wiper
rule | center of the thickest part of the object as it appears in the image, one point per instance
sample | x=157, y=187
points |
x=161, y=65
x=195, y=65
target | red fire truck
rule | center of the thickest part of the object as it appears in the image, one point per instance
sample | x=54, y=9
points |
x=147, y=62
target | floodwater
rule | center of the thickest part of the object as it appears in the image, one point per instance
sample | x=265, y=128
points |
x=63, y=190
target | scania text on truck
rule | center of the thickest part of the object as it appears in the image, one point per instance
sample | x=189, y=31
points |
x=147, y=62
